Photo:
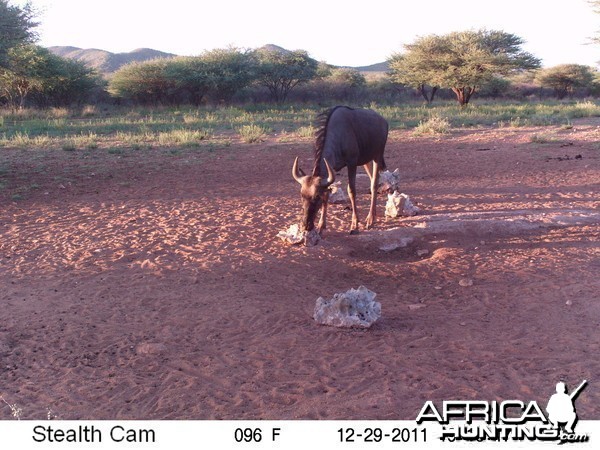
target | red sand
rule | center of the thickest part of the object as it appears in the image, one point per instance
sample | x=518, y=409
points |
x=151, y=286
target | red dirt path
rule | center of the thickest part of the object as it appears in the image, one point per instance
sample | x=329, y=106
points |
x=150, y=285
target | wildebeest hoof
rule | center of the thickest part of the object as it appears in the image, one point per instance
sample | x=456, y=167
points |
x=353, y=232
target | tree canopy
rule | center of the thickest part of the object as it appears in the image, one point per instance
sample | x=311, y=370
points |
x=219, y=73
x=462, y=61
x=565, y=78
x=144, y=82
x=281, y=71
x=32, y=71
x=16, y=28
x=230, y=70
x=415, y=67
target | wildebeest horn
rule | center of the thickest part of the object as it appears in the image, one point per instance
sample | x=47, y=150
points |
x=330, y=174
x=297, y=177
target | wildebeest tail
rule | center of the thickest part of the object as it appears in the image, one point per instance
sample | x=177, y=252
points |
x=381, y=166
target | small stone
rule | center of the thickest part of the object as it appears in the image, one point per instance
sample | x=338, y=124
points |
x=150, y=348
x=417, y=306
x=568, y=302
x=401, y=243
x=422, y=252
x=389, y=247
x=466, y=282
x=438, y=288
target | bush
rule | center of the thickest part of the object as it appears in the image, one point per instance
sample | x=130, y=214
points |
x=252, y=133
x=434, y=125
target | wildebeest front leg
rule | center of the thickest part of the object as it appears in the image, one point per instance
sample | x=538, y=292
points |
x=322, y=221
x=352, y=196
x=373, y=210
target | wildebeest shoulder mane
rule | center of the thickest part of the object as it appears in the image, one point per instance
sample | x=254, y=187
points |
x=321, y=123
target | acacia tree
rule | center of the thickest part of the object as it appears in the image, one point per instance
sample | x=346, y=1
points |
x=144, y=82
x=280, y=71
x=415, y=68
x=190, y=77
x=565, y=78
x=464, y=61
x=32, y=71
x=348, y=76
x=16, y=28
x=22, y=74
x=218, y=73
x=229, y=70
x=66, y=81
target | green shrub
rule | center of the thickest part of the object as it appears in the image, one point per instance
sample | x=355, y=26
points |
x=252, y=133
x=434, y=125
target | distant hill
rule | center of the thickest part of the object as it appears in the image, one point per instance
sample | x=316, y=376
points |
x=379, y=67
x=107, y=62
x=274, y=48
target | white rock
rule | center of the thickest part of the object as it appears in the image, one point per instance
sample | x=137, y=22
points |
x=355, y=308
x=337, y=194
x=399, y=205
x=466, y=282
x=388, y=181
x=416, y=306
x=150, y=348
x=395, y=245
x=293, y=235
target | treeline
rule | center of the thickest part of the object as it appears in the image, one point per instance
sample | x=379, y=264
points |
x=234, y=75
x=30, y=74
x=36, y=77
x=458, y=65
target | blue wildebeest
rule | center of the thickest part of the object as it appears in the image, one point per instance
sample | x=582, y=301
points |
x=345, y=137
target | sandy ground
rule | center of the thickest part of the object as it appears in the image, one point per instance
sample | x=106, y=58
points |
x=150, y=284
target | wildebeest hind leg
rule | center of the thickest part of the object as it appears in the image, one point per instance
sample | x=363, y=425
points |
x=369, y=171
x=373, y=208
x=352, y=196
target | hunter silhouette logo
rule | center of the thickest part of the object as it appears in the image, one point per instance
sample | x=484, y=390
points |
x=480, y=420
x=561, y=407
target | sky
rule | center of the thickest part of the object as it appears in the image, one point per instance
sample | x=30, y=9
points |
x=345, y=33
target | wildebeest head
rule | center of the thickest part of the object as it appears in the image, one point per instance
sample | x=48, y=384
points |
x=314, y=192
